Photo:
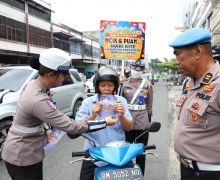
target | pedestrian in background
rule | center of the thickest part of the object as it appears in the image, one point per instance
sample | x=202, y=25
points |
x=197, y=135
x=23, y=150
x=138, y=92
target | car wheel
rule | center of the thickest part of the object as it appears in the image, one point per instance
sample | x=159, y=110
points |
x=76, y=108
x=4, y=128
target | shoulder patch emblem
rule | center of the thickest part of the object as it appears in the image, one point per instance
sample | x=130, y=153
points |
x=207, y=78
x=208, y=88
x=51, y=105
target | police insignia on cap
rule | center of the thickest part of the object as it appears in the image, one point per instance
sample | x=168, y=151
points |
x=195, y=106
x=193, y=117
x=207, y=78
x=51, y=105
x=208, y=88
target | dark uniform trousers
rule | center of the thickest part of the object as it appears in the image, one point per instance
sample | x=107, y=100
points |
x=130, y=137
x=32, y=172
x=188, y=173
x=87, y=170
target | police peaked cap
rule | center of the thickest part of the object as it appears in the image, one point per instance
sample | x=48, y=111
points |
x=192, y=37
x=138, y=65
x=55, y=59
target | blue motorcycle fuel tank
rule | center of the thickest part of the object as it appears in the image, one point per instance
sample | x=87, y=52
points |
x=119, y=155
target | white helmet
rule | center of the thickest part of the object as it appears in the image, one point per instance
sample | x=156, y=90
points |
x=55, y=59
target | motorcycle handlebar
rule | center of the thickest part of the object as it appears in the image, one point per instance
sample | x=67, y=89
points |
x=83, y=153
x=149, y=147
x=77, y=154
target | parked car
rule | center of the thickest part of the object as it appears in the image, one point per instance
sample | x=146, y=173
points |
x=90, y=90
x=13, y=80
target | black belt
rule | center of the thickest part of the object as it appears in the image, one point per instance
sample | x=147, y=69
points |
x=185, y=163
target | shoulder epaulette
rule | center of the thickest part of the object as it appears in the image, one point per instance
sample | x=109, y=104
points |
x=207, y=78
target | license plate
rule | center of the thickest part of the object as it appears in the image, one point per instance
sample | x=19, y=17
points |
x=122, y=174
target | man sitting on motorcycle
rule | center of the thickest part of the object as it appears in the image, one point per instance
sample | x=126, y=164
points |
x=106, y=82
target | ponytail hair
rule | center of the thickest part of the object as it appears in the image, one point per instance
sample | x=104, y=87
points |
x=35, y=63
x=42, y=70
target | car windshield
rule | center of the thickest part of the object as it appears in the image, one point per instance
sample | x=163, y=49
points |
x=13, y=79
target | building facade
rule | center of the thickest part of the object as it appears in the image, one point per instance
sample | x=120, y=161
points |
x=205, y=14
x=26, y=29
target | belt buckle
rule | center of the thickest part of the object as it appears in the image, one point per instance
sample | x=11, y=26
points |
x=184, y=162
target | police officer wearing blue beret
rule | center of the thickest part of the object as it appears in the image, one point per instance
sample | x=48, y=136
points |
x=197, y=135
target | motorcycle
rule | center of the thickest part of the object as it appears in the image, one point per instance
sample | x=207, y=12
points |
x=114, y=160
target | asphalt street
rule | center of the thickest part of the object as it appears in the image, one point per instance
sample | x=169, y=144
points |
x=57, y=162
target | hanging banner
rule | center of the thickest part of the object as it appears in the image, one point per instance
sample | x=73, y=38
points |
x=122, y=39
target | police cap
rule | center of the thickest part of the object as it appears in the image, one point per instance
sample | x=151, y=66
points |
x=138, y=65
x=55, y=59
x=191, y=37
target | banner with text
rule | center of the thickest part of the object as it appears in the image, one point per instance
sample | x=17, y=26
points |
x=122, y=39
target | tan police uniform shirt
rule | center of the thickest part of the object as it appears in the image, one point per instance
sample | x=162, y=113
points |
x=197, y=135
x=140, y=117
x=33, y=108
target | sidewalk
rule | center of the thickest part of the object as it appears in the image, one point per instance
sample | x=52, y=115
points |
x=173, y=169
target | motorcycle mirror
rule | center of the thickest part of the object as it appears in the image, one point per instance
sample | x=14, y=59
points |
x=154, y=127
x=73, y=136
x=89, y=139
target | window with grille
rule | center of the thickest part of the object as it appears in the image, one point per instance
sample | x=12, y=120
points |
x=39, y=13
x=61, y=44
x=12, y=30
x=88, y=50
x=39, y=37
x=95, y=52
x=15, y=3
x=76, y=47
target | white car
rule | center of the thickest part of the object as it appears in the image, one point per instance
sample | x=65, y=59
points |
x=90, y=90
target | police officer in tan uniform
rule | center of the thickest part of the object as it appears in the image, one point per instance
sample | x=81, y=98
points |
x=139, y=96
x=23, y=150
x=197, y=135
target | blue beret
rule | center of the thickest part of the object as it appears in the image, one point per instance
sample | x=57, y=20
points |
x=191, y=37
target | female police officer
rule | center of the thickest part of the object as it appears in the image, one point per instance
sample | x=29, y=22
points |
x=139, y=95
x=23, y=149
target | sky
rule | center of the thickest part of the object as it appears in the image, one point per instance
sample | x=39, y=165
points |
x=161, y=18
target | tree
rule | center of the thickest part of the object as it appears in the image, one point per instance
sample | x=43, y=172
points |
x=163, y=66
x=154, y=64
